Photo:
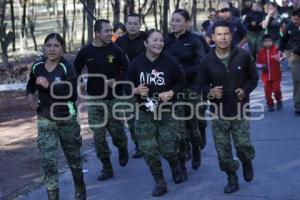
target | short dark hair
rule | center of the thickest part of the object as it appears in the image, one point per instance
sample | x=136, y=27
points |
x=184, y=13
x=149, y=33
x=119, y=26
x=135, y=15
x=296, y=12
x=221, y=23
x=266, y=36
x=273, y=4
x=98, y=24
x=57, y=36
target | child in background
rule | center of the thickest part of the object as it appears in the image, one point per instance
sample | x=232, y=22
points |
x=268, y=59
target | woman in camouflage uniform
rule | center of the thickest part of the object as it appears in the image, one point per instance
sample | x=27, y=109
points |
x=54, y=79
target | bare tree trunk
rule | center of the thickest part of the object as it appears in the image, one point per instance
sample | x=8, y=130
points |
x=125, y=12
x=65, y=23
x=139, y=7
x=90, y=20
x=107, y=11
x=165, y=16
x=31, y=24
x=116, y=6
x=2, y=11
x=83, y=26
x=57, y=16
x=144, y=12
x=155, y=13
x=177, y=4
x=23, y=24
x=12, y=15
x=99, y=9
x=194, y=14
x=160, y=14
x=73, y=34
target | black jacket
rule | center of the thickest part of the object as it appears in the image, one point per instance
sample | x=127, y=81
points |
x=291, y=39
x=132, y=48
x=188, y=51
x=241, y=73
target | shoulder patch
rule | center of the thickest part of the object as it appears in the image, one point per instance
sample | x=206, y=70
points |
x=35, y=65
x=64, y=67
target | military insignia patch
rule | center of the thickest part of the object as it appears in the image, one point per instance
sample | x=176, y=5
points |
x=110, y=58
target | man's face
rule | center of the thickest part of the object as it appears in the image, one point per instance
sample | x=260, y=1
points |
x=296, y=20
x=222, y=37
x=105, y=34
x=133, y=25
x=224, y=14
x=285, y=3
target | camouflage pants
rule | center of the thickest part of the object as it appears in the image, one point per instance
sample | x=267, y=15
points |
x=101, y=118
x=131, y=122
x=190, y=129
x=254, y=41
x=49, y=135
x=294, y=61
x=239, y=130
x=157, y=137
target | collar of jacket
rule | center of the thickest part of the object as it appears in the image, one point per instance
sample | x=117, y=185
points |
x=186, y=34
x=234, y=51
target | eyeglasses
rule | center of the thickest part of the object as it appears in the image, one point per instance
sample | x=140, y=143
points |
x=224, y=10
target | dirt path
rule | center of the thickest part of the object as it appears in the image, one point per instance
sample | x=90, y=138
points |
x=19, y=157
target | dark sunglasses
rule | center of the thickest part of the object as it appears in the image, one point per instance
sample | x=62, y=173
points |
x=224, y=10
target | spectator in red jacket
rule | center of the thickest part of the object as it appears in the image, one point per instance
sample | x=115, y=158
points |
x=268, y=59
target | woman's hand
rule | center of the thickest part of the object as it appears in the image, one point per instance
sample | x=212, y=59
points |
x=42, y=81
x=32, y=101
x=166, y=96
x=141, y=90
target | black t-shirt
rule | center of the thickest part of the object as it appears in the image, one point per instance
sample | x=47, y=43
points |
x=109, y=61
x=132, y=47
x=58, y=100
x=160, y=75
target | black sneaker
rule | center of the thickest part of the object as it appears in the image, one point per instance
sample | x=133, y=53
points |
x=248, y=170
x=232, y=185
x=123, y=157
x=203, y=138
x=160, y=189
x=188, y=153
x=279, y=105
x=53, y=194
x=297, y=111
x=80, y=193
x=271, y=109
x=137, y=154
x=183, y=170
x=105, y=175
x=196, y=158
